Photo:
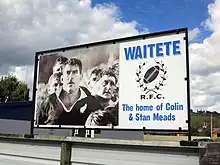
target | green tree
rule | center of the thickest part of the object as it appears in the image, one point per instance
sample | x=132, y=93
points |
x=11, y=89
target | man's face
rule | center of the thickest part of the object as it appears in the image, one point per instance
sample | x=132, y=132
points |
x=71, y=78
x=106, y=86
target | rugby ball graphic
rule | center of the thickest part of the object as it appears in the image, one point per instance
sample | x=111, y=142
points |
x=151, y=74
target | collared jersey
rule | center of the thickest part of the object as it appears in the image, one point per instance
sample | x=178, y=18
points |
x=58, y=114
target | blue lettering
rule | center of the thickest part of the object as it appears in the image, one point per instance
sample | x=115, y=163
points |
x=158, y=117
x=175, y=106
x=167, y=44
x=145, y=51
x=138, y=53
x=127, y=107
x=141, y=117
x=152, y=50
x=144, y=107
x=159, y=49
x=176, y=47
x=151, y=46
x=129, y=52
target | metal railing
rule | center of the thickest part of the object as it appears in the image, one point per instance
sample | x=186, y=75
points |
x=78, y=150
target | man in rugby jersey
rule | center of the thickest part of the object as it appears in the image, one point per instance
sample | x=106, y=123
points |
x=105, y=87
x=74, y=103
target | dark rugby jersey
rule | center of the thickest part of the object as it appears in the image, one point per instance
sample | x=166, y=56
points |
x=78, y=113
x=106, y=115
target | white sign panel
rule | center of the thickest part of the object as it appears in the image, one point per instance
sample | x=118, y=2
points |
x=125, y=84
x=153, y=89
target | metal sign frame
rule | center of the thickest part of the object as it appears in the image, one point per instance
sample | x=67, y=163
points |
x=114, y=41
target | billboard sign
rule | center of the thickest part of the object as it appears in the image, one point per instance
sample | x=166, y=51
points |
x=135, y=83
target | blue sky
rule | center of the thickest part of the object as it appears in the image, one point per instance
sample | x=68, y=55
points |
x=159, y=15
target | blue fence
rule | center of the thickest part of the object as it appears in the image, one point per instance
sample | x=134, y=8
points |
x=16, y=110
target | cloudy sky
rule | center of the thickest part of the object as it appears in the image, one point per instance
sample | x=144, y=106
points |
x=28, y=26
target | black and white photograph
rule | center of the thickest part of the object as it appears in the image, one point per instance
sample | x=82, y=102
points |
x=78, y=87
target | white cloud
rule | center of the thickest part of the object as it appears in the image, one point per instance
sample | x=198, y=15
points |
x=29, y=26
x=194, y=33
x=213, y=22
x=23, y=73
x=205, y=64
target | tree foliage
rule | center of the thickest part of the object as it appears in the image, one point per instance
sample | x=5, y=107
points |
x=11, y=89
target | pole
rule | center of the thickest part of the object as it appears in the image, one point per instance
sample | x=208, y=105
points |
x=211, y=125
x=92, y=133
x=188, y=86
x=66, y=153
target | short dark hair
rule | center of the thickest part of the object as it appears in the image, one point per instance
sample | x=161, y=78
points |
x=109, y=72
x=61, y=60
x=75, y=61
x=96, y=71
